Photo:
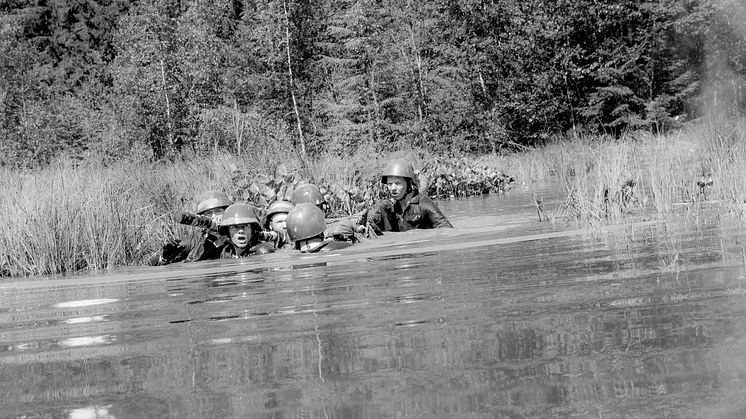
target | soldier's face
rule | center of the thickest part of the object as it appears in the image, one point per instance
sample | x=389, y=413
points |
x=216, y=214
x=277, y=223
x=397, y=186
x=240, y=235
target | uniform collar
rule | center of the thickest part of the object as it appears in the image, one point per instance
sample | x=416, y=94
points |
x=410, y=198
x=230, y=250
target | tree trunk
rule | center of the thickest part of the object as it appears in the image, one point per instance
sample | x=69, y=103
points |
x=290, y=76
x=237, y=126
x=170, y=135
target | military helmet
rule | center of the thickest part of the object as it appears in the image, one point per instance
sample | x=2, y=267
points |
x=305, y=221
x=307, y=193
x=211, y=200
x=277, y=207
x=239, y=214
x=399, y=167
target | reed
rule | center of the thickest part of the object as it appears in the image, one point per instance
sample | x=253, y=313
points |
x=704, y=165
x=605, y=179
x=66, y=218
x=73, y=216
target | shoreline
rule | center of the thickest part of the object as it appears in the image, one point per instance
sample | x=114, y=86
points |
x=85, y=216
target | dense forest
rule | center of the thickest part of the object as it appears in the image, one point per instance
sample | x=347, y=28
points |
x=155, y=79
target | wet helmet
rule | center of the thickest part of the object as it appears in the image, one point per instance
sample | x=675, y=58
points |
x=402, y=168
x=211, y=200
x=239, y=214
x=276, y=208
x=307, y=193
x=305, y=221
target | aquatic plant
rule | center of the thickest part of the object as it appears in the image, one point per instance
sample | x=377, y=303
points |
x=66, y=219
x=601, y=179
x=352, y=185
x=73, y=216
x=605, y=179
x=461, y=177
x=77, y=216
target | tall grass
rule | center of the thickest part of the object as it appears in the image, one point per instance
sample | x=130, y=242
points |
x=74, y=216
x=604, y=179
x=70, y=217
x=64, y=219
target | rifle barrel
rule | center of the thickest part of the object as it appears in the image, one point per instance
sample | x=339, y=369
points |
x=195, y=220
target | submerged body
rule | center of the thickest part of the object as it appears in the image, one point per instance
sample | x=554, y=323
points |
x=407, y=209
x=232, y=252
x=411, y=212
x=200, y=244
x=276, y=218
x=462, y=325
x=240, y=225
x=193, y=246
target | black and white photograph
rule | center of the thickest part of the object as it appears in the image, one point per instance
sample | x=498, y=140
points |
x=363, y=209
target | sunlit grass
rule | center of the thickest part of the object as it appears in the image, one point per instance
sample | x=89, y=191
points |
x=85, y=216
x=605, y=180
x=74, y=216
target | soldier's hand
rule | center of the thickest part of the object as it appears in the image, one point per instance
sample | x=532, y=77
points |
x=269, y=236
x=170, y=251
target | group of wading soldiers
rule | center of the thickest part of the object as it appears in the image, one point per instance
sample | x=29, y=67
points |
x=234, y=230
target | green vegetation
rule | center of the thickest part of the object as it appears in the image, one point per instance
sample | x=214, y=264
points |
x=72, y=216
x=604, y=180
x=159, y=78
x=113, y=114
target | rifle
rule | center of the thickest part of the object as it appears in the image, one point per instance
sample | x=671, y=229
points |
x=202, y=221
x=195, y=220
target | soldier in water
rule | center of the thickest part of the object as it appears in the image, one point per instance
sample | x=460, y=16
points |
x=276, y=218
x=406, y=209
x=241, y=226
x=344, y=229
x=197, y=244
x=306, y=225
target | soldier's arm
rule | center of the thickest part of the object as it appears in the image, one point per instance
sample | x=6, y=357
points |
x=378, y=216
x=434, y=215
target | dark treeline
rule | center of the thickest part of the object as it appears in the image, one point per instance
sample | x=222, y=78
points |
x=155, y=78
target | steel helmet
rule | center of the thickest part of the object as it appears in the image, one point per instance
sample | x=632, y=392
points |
x=277, y=207
x=307, y=193
x=239, y=214
x=211, y=200
x=305, y=221
x=402, y=168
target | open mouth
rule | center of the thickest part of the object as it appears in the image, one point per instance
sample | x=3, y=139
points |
x=240, y=239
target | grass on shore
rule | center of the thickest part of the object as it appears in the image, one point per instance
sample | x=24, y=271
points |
x=604, y=180
x=70, y=217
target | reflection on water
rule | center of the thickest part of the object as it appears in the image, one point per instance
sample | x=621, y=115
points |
x=91, y=412
x=507, y=318
x=85, y=303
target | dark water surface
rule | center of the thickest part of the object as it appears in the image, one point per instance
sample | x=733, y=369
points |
x=501, y=317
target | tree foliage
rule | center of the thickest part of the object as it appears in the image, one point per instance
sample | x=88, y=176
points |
x=158, y=78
